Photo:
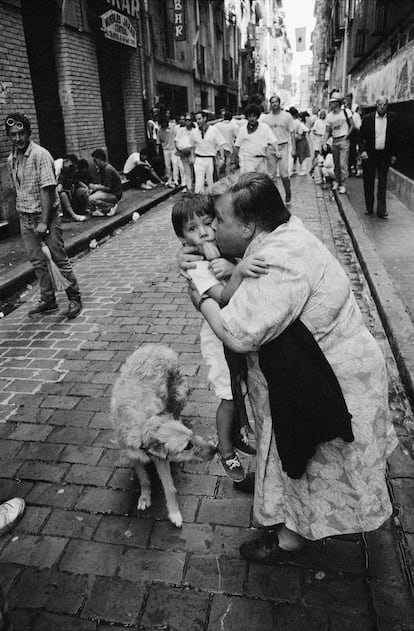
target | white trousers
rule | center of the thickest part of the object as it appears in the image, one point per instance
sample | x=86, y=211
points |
x=203, y=171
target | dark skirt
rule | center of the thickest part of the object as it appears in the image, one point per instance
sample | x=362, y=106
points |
x=302, y=149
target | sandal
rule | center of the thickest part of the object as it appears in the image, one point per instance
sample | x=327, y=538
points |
x=266, y=550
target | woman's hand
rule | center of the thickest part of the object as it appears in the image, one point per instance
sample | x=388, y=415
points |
x=187, y=258
x=221, y=268
x=252, y=266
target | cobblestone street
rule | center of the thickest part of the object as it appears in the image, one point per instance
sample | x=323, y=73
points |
x=82, y=557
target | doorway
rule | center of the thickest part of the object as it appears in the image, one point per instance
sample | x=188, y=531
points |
x=39, y=21
x=112, y=58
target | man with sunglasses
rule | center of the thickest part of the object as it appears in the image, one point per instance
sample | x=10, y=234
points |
x=32, y=170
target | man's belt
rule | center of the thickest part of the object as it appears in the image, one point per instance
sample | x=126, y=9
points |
x=198, y=156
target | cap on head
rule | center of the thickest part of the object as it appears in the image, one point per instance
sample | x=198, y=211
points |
x=335, y=96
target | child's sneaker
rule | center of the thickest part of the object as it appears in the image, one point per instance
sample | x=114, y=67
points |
x=241, y=443
x=233, y=468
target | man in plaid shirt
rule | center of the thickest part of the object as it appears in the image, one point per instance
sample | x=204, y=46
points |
x=32, y=170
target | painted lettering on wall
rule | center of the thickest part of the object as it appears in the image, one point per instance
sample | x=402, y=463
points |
x=179, y=21
x=129, y=6
x=119, y=28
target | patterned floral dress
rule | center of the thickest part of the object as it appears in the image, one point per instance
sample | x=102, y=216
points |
x=343, y=489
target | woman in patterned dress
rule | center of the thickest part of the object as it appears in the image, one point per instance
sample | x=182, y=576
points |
x=343, y=489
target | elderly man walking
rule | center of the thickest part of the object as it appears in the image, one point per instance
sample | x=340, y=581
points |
x=339, y=125
x=32, y=170
x=379, y=140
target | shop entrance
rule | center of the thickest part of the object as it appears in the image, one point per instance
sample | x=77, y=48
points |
x=39, y=22
x=112, y=58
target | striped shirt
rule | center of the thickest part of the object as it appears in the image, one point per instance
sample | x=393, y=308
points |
x=34, y=171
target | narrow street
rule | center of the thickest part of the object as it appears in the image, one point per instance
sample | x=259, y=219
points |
x=83, y=557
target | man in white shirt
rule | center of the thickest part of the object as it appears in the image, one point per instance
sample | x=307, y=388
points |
x=282, y=125
x=339, y=125
x=228, y=128
x=253, y=141
x=207, y=141
x=184, y=148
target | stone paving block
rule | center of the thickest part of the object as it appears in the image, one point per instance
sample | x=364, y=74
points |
x=90, y=557
x=84, y=474
x=29, y=414
x=22, y=619
x=53, y=622
x=331, y=593
x=189, y=538
x=33, y=519
x=25, y=549
x=175, y=609
x=216, y=574
x=71, y=524
x=226, y=512
x=73, y=435
x=102, y=377
x=241, y=614
x=128, y=531
x=57, y=495
x=281, y=583
x=158, y=509
x=403, y=489
x=101, y=420
x=114, y=458
x=227, y=540
x=106, y=438
x=124, y=479
x=114, y=600
x=72, y=418
x=26, y=386
x=106, y=501
x=152, y=565
x=81, y=454
x=352, y=622
x=31, y=432
x=10, y=467
x=13, y=488
x=40, y=451
x=400, y=463
x=188, y=484
x=49, y=589
x=60, y=402
x=32, y=470
x=99, y=404
x=8, y=576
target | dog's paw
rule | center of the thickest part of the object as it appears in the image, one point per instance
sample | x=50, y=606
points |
x=144, y=502
x=176, y=518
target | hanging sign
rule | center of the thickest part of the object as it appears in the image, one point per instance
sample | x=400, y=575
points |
x=179, y=21
x=119, y=28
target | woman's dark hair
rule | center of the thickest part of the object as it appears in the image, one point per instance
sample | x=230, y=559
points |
x=189, y=205
x=293, y=112
x=255, y=198
x=252, y=108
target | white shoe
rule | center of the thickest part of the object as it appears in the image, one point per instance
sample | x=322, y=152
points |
x=10, y=513
x=112, y=211
x=146, y=187
x=341, y=189
x=98, y=213
x=334, y=186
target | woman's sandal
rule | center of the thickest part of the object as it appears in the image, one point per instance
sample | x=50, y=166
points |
x=266, y=550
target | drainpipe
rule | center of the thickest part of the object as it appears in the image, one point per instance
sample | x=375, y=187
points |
x=344, y=64
x=149, y=55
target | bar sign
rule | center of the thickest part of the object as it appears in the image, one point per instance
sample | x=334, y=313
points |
x=179, y=21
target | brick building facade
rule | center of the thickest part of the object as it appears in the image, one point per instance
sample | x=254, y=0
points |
x=80, y=85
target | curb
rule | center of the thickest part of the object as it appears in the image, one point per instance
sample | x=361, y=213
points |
x=393, y=314
x=25, y=274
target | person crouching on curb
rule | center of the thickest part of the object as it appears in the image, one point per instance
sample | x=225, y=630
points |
x=32, y=171
x=104, y=197
x=192, y=218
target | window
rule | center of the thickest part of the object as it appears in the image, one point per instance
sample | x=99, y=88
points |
x=360, y=41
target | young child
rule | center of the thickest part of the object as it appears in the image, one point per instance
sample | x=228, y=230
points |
x=328, y=168
x=192, y=219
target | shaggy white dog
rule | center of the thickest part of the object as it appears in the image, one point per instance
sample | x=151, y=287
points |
x=147, y=399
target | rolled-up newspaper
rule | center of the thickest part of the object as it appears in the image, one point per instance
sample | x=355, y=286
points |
x=210, y=250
